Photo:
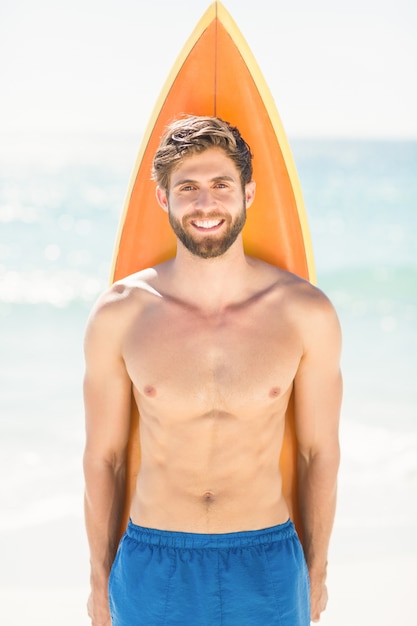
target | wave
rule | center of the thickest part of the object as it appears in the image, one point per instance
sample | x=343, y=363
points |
x=56, y=288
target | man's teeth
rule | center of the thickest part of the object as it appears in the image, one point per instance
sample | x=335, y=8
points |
x=207, y=223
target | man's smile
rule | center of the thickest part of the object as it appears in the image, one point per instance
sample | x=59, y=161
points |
x=207, y=224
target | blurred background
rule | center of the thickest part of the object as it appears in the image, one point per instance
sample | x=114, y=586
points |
x=78, y=84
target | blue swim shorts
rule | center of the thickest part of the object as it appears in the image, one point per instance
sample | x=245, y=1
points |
x=253, y=578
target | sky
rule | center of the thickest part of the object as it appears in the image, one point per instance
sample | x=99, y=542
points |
x=335, y=69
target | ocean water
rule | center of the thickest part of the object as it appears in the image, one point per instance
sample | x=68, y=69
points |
x=60, y=201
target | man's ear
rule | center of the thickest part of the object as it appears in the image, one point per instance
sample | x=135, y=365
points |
x=161, y=196
x=250, y=190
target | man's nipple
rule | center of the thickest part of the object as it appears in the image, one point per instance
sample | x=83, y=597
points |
x=149, y=391
x=275, y=392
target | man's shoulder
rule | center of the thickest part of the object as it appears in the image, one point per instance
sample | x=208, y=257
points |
x=310, y=308
x=309, y=298
x=125, y=294
x=135, y=285
x=307, y=309
x=287, y=281
x=297, y=292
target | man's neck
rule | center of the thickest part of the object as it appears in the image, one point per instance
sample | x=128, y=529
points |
x=211, y=284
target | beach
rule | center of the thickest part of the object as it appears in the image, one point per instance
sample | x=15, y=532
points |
x=59, y=210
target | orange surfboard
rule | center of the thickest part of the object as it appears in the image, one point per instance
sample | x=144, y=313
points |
x=216, y=74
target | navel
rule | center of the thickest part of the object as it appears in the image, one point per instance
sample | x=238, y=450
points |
x=208, y=497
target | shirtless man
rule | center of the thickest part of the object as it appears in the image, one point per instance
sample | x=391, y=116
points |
x=212, y=343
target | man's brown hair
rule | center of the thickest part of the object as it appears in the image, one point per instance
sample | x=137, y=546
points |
x=193, y=135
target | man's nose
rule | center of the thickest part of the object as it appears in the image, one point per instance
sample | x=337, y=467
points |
x=205, y=199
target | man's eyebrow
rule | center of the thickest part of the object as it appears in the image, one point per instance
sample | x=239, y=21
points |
x=184, y=181
x=216, y=179
x=230, y=179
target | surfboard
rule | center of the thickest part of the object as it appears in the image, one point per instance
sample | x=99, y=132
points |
x=217, y=74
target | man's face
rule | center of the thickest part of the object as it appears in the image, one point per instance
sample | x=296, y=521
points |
x=206, y=204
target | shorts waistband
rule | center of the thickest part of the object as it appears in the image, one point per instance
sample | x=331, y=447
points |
x=177, y=539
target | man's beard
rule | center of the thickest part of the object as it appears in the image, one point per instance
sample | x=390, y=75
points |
x=209, y=247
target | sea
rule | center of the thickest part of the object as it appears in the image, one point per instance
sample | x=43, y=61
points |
x=61, y=198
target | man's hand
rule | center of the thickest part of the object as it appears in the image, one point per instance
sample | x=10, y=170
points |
x=318, y=598
x=98, y=611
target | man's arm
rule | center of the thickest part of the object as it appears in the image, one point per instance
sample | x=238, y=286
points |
x=107, y=398
x=318, y=393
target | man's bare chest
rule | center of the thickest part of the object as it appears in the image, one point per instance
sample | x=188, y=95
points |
x=223, y=362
